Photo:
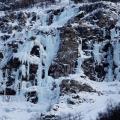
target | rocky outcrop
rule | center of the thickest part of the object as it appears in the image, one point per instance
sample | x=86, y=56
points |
x=6, y=5
x=32, y=97
x=23, y=53
x=92, y=30
x=72, y=86
x=79, y=1
x=65, y=62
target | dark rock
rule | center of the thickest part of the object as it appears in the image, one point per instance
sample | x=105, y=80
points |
x=13, y=46
x=7, y=29
x=33, y=38
x=33, y=68
x=58, y=11
x=49, y=117
x=106, y=47
x=72, y=86
x=25, y=78
x=10, y=81
x=21, y=17
x=13, y=63
x=34, y=17
x=32, y=96
x=76, y=97
x=65, y=61
x=88, y=68
x=35, y=51
x=43, y=74
x=1, y=55
x=17, y=28
x=70, y=102
x=8, y=91
x=100, y=70
x=5, y=37
x=32, y=76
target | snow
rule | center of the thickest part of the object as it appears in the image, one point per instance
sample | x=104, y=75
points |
x=16, y=108
x=91, y=103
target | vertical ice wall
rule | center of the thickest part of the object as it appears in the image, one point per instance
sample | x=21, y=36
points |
x=29, y=51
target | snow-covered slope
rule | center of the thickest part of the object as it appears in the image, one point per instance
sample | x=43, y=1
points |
x=59, y=59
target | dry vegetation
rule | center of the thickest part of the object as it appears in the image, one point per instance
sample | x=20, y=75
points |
x=112, y=113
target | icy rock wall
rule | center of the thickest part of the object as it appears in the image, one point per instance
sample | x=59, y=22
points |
x=26, y=51
x=30, y=40
x=40, y=44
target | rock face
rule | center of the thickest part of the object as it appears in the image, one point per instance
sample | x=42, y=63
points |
x=25, y=52
x=18, y=4
x=57, y=42
x=66, y=59
x=79, y=1
x=92, y=30
x=98, y=45
x=73, y=86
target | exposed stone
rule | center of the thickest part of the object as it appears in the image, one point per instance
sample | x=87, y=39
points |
x=69, y=101
x=88, y=68
x=49, y=117
x=13, y=63
x=33, y=68
x=53, y=13
x=6, y=29
x=35, y=51
x=1, y=55
x=65, y=61
x=100, y=70
x=73, y=86
x=34, y=17
x=13, y=46
x=5, y=37
x=32, y=97
x=8, y=91
x=17, y=28
x=33, y=38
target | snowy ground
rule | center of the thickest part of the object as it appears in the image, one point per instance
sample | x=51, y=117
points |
x=91, y=103
x=17, y=110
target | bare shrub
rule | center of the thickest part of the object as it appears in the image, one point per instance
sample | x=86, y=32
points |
x=112, y=113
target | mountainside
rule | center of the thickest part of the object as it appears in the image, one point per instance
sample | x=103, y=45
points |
x=59, y=59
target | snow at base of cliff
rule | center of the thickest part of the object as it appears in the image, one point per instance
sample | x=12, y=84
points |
x=89, y=107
